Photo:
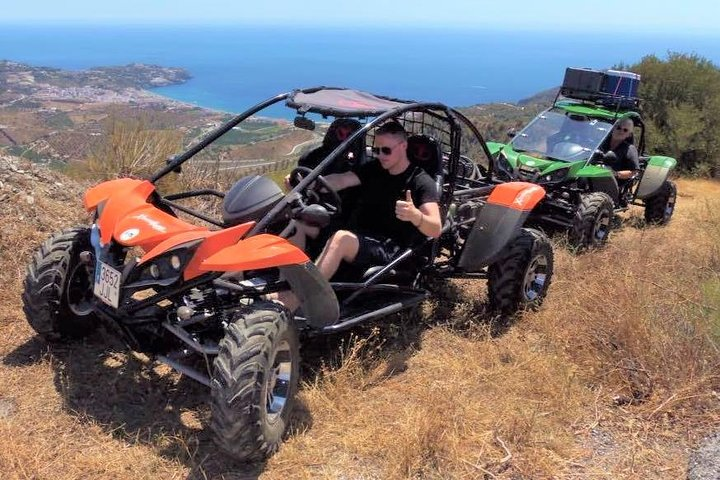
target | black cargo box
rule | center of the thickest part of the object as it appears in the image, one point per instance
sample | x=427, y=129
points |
x=610, y=88
x=582, y=83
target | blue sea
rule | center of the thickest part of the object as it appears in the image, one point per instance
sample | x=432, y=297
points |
x=234, y=68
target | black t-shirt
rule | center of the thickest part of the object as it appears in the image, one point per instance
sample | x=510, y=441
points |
x=627, y=156
x=375, y=213
x=342, y=164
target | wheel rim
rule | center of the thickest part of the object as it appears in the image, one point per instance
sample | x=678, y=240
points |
x=601, y=227
x=279, y=381
x=535, y=278
x=79, y=292
x=669, y=207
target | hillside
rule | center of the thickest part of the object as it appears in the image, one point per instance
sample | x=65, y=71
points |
x=615, y=377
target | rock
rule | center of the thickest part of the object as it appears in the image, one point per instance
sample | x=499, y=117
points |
x=30, y=199
x=7, y=407
x=704, y=463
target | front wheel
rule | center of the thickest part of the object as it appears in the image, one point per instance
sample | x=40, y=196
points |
x=520, y=278
x=256, y=376
x=58, y=294
x=660, y=207
x=591, y=223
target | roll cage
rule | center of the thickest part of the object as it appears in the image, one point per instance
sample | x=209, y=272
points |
x=348, y=103
x=583, y=110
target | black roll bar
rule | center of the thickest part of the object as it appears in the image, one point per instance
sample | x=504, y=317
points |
x=280, y=206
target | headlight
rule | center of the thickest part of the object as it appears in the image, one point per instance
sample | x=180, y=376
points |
x=164, y=269
x=556, y=176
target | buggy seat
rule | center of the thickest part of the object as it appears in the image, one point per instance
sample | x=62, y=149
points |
x=424, y=151
x=338, y=131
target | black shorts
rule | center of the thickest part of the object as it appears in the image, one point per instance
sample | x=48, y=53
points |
x=374, y=251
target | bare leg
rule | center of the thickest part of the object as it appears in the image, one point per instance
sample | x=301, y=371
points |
x=343, y=245
x=301, y=232
x=287, y=298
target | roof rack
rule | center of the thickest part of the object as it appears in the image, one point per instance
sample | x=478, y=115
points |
x=609, y=88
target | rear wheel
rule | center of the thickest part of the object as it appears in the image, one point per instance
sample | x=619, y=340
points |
x=520, y=278
x=58, y=294
x=660, y=207
x=256, y=375
x=591, y=223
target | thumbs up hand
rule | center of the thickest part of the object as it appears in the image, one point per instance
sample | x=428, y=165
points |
x=405, y=210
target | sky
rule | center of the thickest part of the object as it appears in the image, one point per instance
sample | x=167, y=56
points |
x=679, y=17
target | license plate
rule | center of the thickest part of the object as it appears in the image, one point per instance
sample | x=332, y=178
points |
x=107, y=284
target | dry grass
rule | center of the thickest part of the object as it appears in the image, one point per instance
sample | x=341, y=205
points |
x=616, y=377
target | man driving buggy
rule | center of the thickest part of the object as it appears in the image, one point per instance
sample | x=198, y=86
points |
x=625, y=162
x=398, y=206
x=386, y=219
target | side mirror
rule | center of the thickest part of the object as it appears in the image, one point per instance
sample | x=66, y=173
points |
x=304, y=123
x=511, y=133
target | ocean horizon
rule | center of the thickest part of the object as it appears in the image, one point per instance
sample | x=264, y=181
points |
x=235, y=67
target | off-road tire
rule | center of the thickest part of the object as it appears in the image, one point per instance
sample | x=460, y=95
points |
x=57, y=296
x=660, y=207
x=511, y=286
x=592, y=221
x=243, y=425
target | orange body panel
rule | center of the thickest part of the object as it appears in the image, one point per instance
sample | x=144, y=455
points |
x=153, y=226
x=129, y=218
x=260, y=251
x=105, y=190
x=517, y=195
x=214, y=242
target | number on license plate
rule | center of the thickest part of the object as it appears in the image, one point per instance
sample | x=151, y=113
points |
x=107, y=284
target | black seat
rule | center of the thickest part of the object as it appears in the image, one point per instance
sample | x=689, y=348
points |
x=338, y=131
x=424, y=151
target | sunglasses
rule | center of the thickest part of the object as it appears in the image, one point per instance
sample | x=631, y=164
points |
x=385, y=150
x=622, y=129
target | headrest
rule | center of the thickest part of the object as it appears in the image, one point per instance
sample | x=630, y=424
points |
x=424, y=151
x=339, y=130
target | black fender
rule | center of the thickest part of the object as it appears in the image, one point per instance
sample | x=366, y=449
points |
x=318, y=300
x=607, y=185
x=498, y=223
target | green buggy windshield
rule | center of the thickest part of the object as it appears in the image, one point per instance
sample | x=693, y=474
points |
x=561, y=135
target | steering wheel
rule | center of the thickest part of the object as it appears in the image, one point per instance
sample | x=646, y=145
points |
x=320, y=192
x=469, y=169
x=567, y=150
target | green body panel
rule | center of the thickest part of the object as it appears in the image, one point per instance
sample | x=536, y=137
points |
x=494, y=147
x=655, y=174
x=578, y=169
x=664, y=162
x=594, y=110
x=593, y=171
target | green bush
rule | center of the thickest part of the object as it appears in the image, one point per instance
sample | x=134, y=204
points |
x=681, y=107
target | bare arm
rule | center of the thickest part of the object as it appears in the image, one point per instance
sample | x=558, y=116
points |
x=341, y=181
x=426, y=218
x=429, y=223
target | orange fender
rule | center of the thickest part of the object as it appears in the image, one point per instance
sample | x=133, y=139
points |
x=95, y=195
x=260, y=251
x=517, y=195
x=129, y=218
